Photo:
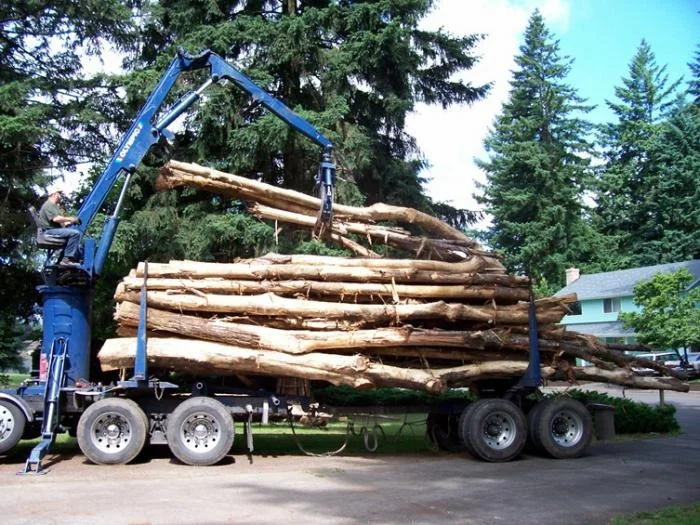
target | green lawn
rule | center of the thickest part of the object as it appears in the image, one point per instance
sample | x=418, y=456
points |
x=13, y=380
x=395, y=435
x=686, y=515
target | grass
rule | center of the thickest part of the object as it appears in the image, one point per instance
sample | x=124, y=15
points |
x=14, y=380
x=395, y=435
x=685, y=515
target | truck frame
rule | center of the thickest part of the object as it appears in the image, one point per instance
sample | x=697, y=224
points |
x=114, y=422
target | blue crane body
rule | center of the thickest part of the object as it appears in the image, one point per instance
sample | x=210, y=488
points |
x=114, y=422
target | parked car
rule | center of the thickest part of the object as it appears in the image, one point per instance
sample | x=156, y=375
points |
x=692, y=368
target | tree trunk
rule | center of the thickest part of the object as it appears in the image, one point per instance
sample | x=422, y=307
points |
x=548, y=310
x=214, y=358
x=177, y=173
x=339, y=291
x=306, y=341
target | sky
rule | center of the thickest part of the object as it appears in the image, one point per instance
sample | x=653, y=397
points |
x=602, y=36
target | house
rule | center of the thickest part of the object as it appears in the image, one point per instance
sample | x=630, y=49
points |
x=602, y=296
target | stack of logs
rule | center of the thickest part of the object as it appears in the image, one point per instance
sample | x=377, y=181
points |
x=365, y=321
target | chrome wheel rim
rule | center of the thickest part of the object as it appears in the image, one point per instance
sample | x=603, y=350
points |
x=200, y=432
x=7, y=423
x=499, y=430
x=110, y=433
x=566, y=428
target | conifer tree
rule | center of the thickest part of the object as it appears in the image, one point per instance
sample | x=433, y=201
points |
x=630, y=179
x=44, y=125
x=537, y=164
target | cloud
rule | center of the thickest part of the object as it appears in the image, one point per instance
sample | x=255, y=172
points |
x=451, y=139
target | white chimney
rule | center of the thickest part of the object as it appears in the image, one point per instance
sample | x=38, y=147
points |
x=571, y=275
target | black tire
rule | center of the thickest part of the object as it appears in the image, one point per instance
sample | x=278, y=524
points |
x=12, y=423
x=442, y=431
x=532, y=417
x=200, y=431
x=564, y=428
x=494, y=430
x=112, y=431
x=463, y=418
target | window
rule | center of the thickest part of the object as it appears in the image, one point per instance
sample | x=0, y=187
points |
x=611, y=305
x=575, y=308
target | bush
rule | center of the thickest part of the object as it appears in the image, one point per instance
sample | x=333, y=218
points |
x=633, y=417
x=348, y=396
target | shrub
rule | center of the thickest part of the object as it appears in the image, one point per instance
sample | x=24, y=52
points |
x=348, y=396
x=633, y=417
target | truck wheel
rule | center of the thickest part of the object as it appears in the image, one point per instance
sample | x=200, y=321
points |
x=112, y=431
x=532, y=418
x=12, y=422
x=200, y=431
x=563, y=428
x=442, y=431
x=494, y=429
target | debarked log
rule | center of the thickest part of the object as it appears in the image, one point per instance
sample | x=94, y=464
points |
x=548, y=310
x=192, y=356
x=464, y=375
x=448, y=250
x=306, y=341
x=337, y=290
x=176, y=173
x=360, y=273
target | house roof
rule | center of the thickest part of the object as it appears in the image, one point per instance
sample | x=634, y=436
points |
x=610, y=329
x=621, y=282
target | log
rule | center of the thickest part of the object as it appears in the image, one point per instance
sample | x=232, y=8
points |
x=548, y=310
x=214, y=358
x=400, y=264
x=179, y=354
x=306, y=341
x=203, y=270
x=463, y=375
x=619, y=376
x=336, y=290
x=176, y=173
x=443, y=249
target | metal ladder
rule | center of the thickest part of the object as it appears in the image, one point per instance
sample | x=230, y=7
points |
x=55, y=380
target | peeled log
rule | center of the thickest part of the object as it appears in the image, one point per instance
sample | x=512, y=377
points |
x=443, y=249
x=463, y=375
x=548, y=310
x=306, y=341
x=203, y=356
x=214, y=358
x=335, y=290
x=176, y=173
x=620, y=376
x=400, y=264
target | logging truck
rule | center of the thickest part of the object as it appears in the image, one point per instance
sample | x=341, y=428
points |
x=113, y=422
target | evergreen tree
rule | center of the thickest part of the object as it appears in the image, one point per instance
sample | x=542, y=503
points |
x=673, y=199
x=537, y=164
x=694, y=83
x=43, y=121
x=626, y=186
x=352, y=68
